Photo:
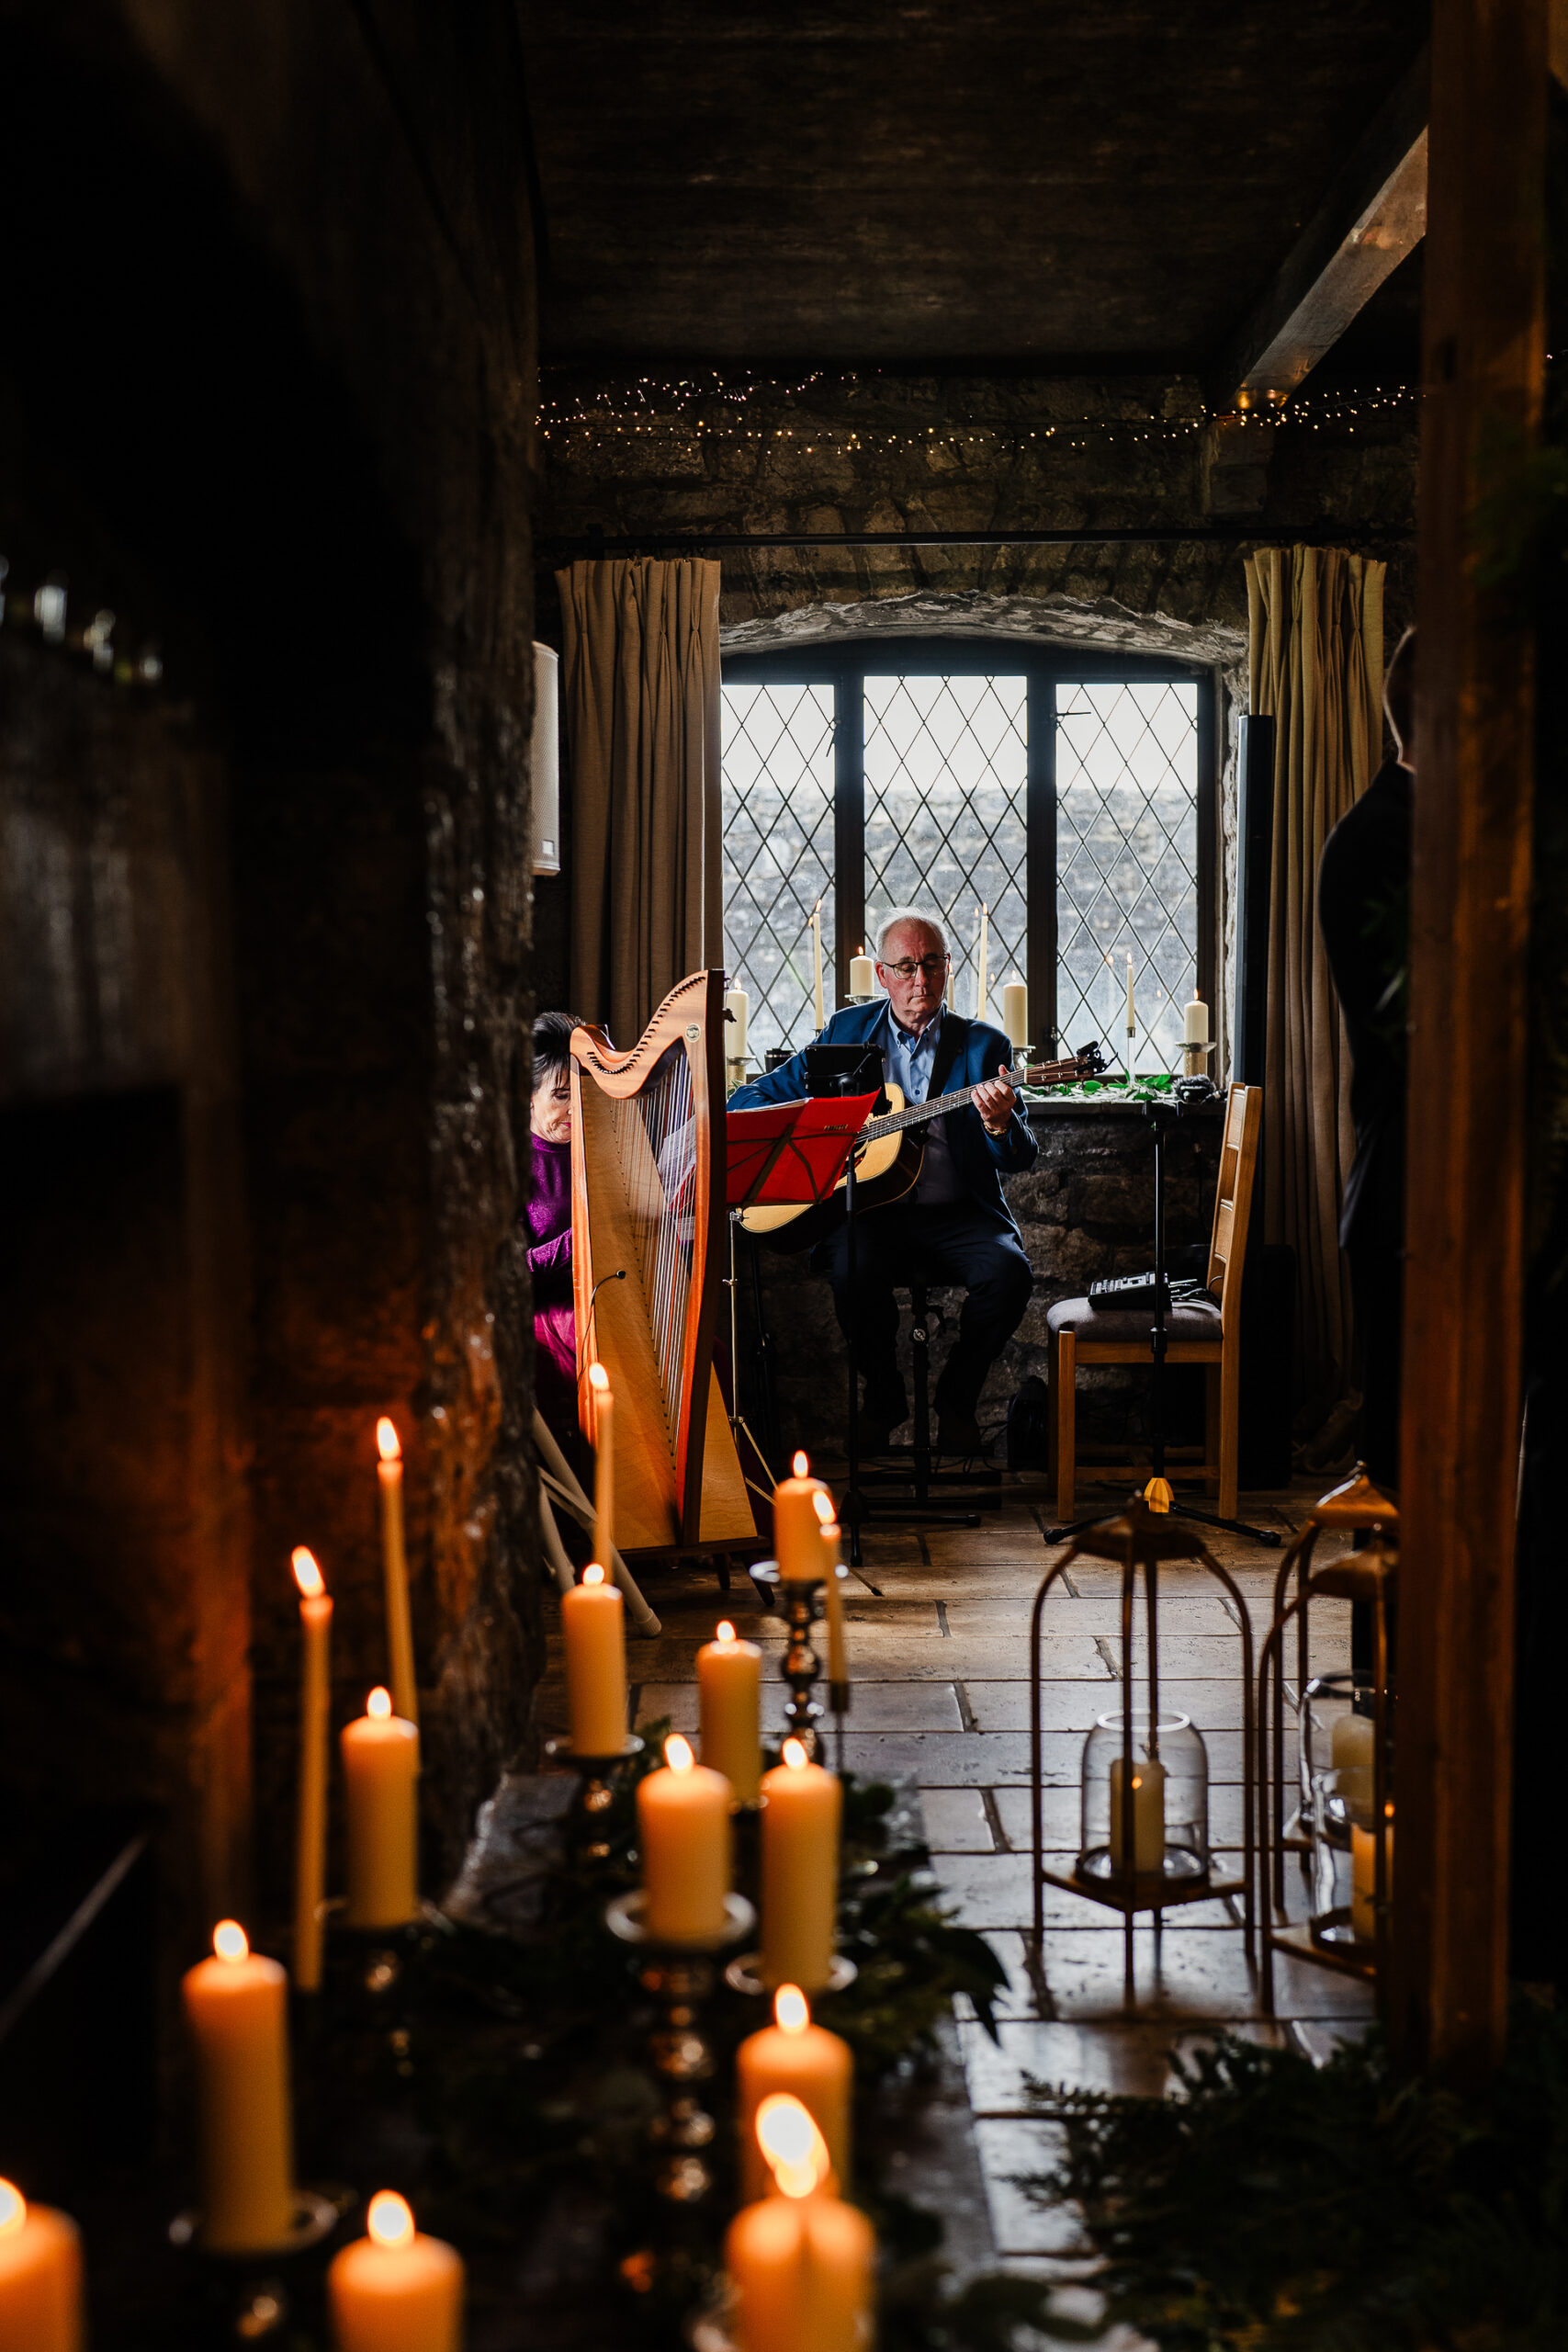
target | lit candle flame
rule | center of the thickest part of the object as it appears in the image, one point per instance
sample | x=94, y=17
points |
x=380, y=1705
x=387, y=1440
x=389, y=2220
x=229, y=1940
x=788, y=2137
x=792, y=2011
x=598, y=1378
x=823, y=1506
x=800, y=1467
x=795, y=1754
x=726, y=1632
x=592, y=1573
x=678, y=1753
x=306, y=1575
x=13, y=2209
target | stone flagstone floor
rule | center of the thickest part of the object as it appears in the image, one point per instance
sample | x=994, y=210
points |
x=938, y=1629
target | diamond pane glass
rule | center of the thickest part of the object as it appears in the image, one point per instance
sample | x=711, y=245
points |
x=1126, y=866
x=946, y=769
x=778, y=856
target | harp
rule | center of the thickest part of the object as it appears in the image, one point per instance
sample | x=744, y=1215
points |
x=647, y=1201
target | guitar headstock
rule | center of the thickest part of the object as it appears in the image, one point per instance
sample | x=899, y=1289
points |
x=1088, y=1062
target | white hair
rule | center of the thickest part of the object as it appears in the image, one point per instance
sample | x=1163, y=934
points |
x=907, y=914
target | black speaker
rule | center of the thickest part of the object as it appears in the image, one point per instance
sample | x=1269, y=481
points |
x=1254, y=868
x=1267, y=1360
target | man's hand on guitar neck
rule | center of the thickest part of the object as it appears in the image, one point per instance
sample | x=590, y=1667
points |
x=995, y=1101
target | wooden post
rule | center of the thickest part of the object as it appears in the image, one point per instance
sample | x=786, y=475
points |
x=1484, y=346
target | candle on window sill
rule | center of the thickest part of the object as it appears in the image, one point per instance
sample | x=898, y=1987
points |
x=395, y=2289
x=315, y=1740
x=982, y=974
x=40, y=2277
x=236, y=2007
x=603, y=1463
x=800, y=1871
x=682, y=1816
x=794, y=2055
x=862, y=975
x=1195, y=1021
x=1015, y=1012
x=381, y=1777
x=395, y=1566
x=817, y=962
x=737, y=1004
x=729, y=1697
x=593, y=1617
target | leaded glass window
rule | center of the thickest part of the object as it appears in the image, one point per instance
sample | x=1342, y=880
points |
x=778, y=854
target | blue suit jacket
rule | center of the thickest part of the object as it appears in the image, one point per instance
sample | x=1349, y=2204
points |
x=967, y=1052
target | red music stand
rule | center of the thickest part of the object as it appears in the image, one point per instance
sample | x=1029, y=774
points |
x=791, y=1155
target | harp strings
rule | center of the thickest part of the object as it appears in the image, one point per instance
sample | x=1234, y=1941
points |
x=655, y=1134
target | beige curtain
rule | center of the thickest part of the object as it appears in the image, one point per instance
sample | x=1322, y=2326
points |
x=1317, y=663
x=640, y=688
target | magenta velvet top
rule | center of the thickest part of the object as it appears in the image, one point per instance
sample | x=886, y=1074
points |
x=548, y=1219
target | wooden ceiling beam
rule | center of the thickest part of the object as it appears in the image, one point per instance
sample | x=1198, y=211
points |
x=1375, y=214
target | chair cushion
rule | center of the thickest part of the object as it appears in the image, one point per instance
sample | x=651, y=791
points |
x=1126, y=1326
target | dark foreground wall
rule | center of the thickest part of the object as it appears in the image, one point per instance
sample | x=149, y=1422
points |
x=266, y=387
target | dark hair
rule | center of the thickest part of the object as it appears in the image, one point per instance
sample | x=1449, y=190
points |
x=1399, y=691
x=552, y=1033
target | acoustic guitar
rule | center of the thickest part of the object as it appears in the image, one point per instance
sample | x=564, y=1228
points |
x=889, y=1156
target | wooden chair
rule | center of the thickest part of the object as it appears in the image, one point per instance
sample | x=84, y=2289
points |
x=1206, y=1334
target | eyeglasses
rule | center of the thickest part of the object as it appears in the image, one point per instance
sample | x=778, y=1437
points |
x=934, y=966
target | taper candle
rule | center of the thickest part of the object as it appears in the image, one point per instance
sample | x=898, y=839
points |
x=381, y=1784
x=816, y=962
x=729, y=1678
x=797, y=1543
x=395, y=2289
x=603, y=1463
x=395, y=1566
x=800, y=1871
x=593, y=1627
x=795, y=2056
x=40, y=2277
x=833, y=1574
x=236, y=2005
x=801, y=2262
x=1130, y=1014
x=982, y=973
x=682, y=1815
x=1015, y=1012
x=315, y=1737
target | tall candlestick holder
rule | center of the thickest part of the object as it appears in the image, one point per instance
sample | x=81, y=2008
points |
x=679, y=1977
x=588, y=1817
x=259, y=2296
x=801, y=1667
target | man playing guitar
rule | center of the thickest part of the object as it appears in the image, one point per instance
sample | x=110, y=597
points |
x=955, y=1227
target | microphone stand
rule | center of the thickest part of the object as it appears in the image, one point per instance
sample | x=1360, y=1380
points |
x=1162, y=1116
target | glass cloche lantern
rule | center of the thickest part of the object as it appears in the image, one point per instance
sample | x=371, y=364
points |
x=1170, y=1803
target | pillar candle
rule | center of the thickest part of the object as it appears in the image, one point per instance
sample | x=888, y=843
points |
x=817, y=961
x=794, y=2055
x=1195, y=1021
x=603, y=1463
x=40, y=2277
x=800, y=1871
x=394, y=1561
x=862, y=975
x=1148, y=1814
x=682, y=1816
x=236, y=2005
x=380, y=1781
x=1015, y=1012
x=801, y=2262
x=592, y=1621
x=982, y=974
x=729, y=1677
x=1364, y=1878
x=738, y=1005
x=315, y=1733
x=395, y=2289
x=798, y=1541
x=835, y=1576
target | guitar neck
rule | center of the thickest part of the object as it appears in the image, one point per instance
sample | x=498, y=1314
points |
x=913, y=1114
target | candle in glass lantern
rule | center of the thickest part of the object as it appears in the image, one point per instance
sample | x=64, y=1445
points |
x=603, y=1463
x=801, y=2262
x=380, y=1783
x=40, y=2277
x=800, y=1871
x=1364, y=1878
x=395, y=1566
x=797, y=1543
x=1351, y=1754
x=1015, y=1012
x=236, y=2005
x=862, y=975
x=395, y=2289
x=315, y=1733
x=729, y=1697
x=592, y=1618
x=794, y=2055
x=1148, y=1814
x=683, y=1815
